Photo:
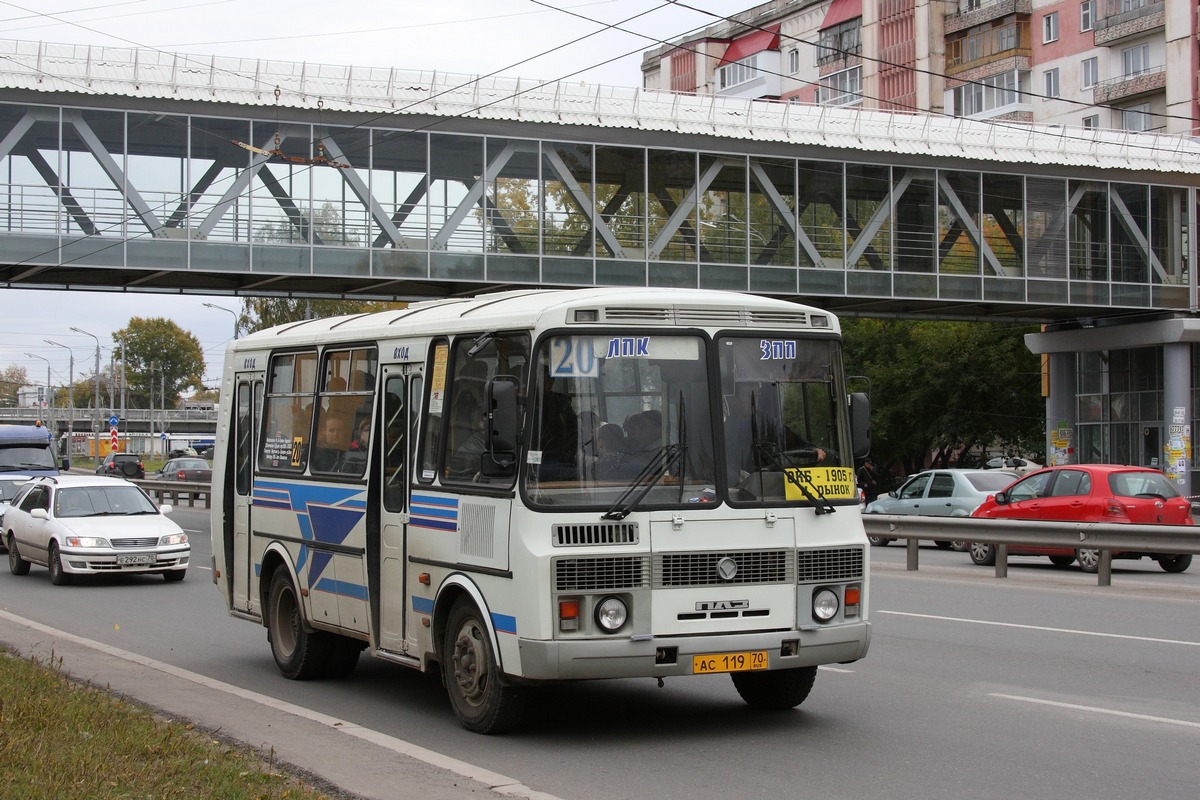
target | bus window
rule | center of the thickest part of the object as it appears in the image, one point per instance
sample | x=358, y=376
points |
x=344, y=411
x=431, y=445
x=395, y=443
x=288, y=412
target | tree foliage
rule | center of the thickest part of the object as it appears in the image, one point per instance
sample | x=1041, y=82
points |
x=159, y=355
x=11, y=380
x=939, y=389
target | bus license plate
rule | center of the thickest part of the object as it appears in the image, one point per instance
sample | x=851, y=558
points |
x=729, y=662
x=138, y=558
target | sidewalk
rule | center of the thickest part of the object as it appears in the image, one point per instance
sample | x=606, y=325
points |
x=354, y=760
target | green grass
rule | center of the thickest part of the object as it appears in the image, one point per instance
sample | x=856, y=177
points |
x=63, y=740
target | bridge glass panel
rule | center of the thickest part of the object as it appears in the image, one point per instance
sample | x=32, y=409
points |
x=568, y=204
x=341, y=219
x=456, y=195
x=154, y=179
x=1003, y=229
x=1088, y=231
x=1046, y=229
x=868, y=217
x=723, y=215
x=281, y=209
x=671, y=217
x=772, y=214
x=1130, y=225
x=511, y=191
x=958, y=219
x=400, y=227
x=621, y=198
x=915, y=219
x=820, y=204
x=217, y=172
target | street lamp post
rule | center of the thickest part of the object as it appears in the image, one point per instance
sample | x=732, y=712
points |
x=70, y=396
x=96, y=408
x=49, y=396
x=227, y=311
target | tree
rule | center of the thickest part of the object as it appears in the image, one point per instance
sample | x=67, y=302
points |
x=939, y=389
x=159, y=354
x=12, y=379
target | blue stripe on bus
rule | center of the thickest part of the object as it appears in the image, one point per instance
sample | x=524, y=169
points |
x=435, y=500
x=504, y=623
x=343, y=588
x=422, y=605
x=443, y=513
x=435, y=524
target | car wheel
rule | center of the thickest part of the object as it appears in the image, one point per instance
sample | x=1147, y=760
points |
x=1089, y=560
x=129, y=469
x=878, y=541
x=777, y=689
x=174, y=575
x=58, y=575
x=1062, y=561
x=480, y=699
x=959, y=546
x=1175, y=563
x=16, y=564
x=299, y=653
x=983, y=554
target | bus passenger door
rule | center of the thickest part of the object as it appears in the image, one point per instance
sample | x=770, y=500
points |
x=244, y=432
x=400, y=396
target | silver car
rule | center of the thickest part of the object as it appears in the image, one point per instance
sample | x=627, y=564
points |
x=941, y=493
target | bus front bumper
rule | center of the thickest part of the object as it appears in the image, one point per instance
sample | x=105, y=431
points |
x=659, y=657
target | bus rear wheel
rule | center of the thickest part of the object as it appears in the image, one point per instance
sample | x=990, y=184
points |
x=777, y=689
x=471, y=674
x=299, y=653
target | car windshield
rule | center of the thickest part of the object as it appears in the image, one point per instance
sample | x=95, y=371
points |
x=96, y=501
x=18, y=457
x=990, y=481
x=189, y=463
x=1141, y=484
x=8, y=488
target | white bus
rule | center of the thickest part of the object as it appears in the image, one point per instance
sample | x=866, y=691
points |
x=544, y=485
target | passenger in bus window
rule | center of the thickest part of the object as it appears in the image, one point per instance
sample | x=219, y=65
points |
x=332, y=442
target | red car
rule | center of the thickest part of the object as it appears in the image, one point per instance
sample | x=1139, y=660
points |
x=1088, y=493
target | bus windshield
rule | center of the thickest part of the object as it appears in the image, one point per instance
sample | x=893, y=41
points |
x=613, y=413
x=785, y=430
x=15, y=458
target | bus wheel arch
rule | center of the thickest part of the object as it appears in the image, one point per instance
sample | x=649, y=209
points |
x=300, y=652
x=482, y=699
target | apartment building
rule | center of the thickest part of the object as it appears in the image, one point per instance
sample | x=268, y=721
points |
x=1123, y=64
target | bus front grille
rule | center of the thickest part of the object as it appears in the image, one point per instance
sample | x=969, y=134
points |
x=832, y=564
x=601, y=574
x=723, y=568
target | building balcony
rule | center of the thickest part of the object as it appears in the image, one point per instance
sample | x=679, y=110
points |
x=976, y=12
x=1123, y=19
x=1128, y=87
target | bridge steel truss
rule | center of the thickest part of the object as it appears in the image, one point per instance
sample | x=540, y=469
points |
x=351, y=204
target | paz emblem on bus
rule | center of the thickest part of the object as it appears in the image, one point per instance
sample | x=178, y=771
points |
x=722, y=605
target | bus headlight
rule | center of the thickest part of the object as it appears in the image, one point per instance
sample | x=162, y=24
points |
x=611, y=614
x=825, y=605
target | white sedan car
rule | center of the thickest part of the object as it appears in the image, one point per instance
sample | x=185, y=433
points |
x=84, y=525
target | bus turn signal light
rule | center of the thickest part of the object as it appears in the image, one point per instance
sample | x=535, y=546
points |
x=568, y=615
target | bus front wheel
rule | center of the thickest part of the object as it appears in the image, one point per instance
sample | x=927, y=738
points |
x=299, y=653
x=481, y=702
x=777, y=689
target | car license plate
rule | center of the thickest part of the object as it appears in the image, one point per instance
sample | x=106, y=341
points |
x=137, y=558
x=729, y=662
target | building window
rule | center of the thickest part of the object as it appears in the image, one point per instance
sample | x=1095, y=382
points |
x=1136, y=118
x=841, y=88
x=840, y=41
x=987, y=94
x=1050, y=27
x=1089, y=73
x=793, y=61
x=1051, y=78
x=1135, y=60
x=738, y=71
x=1132, y=5
x=1085, y=16
x=1092, y=122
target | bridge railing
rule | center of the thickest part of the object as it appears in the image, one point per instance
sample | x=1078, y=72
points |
x=1105, y=537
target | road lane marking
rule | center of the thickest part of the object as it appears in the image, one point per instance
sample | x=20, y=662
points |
x=498, y=783
x=1042, y=628
x=1095, y=710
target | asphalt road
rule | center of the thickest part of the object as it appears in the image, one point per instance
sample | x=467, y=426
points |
x=1039, y=685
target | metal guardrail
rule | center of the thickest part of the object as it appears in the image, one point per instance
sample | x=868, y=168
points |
x=172, y=491
x=1103, y=536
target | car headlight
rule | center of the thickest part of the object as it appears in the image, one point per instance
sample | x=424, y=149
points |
x=85, y=541
x=611, y=614
x=173, y=538
x=825, y=605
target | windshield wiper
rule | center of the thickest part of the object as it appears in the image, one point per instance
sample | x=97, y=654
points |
x=651, y=474
x=791, y=472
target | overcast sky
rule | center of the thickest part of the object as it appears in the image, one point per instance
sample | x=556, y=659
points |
x=510, y=37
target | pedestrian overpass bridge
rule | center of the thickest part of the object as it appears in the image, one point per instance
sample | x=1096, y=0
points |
x=144, y=171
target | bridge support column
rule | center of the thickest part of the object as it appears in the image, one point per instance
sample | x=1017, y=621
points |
x=1060, y=409
x=1177, y=410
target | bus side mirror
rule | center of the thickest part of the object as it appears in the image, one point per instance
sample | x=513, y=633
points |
x=860, y=424
x=500, y=460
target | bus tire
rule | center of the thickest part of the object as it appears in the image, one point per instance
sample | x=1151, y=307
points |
x=301, y=654
x=480, y=699
x=343, y=656
x=776, y=689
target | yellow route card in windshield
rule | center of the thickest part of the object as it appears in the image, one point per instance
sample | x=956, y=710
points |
x=835, y=483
